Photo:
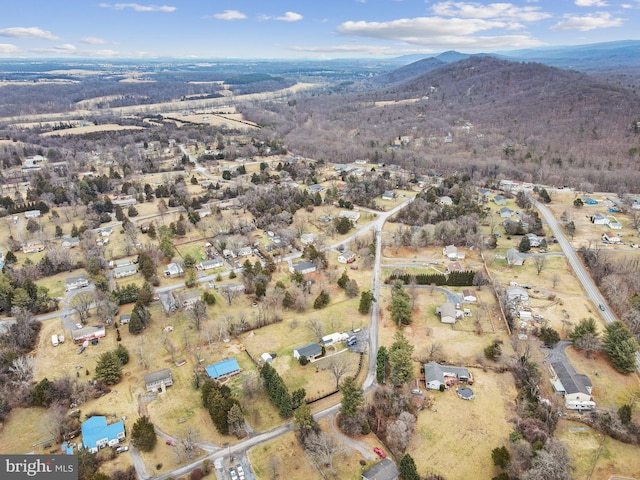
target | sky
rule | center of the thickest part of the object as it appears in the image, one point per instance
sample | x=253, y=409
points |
x=271, y=29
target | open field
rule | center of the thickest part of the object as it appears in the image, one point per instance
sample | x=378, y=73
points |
x=453, y=428
x=595, y=455
x=107, y=127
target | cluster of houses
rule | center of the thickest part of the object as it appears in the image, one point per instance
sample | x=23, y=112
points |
x=518, y=306
x=604, y=219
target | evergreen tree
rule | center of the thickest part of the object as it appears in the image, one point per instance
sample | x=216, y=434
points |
x=400, y=360
x=297, y=398
x=143, y=435
x=366, y=299
x=322, y=300
x=304, y=423
x=109, y=368
x=408, y=469
x=401, y=305
x=40, y=395
x=342, y=281
x=352, y=398
x=381, y=364
x=621, y=347
x=122, y=353
x=524, y=245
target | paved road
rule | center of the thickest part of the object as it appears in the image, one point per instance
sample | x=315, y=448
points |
x=581, y=272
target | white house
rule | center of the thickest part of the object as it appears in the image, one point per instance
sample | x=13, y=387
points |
x=514, y=257
x=33, y=247
x=353, y=216
x=599, y=219
x=244, y=251
x=209, y=264
x=32, y=214
x=347, y=257
x=447, y=313
x=575, y=388
x=611, y=238
x=173, y=270
x=73, y=283
x=311, y=351
x=447, y=201
x=125, y=271
x=506, y=212
x=452, y=253
x=303, y=268
x=308, y=238
x=436, y=375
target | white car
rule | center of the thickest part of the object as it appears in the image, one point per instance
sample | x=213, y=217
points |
x=78, y=325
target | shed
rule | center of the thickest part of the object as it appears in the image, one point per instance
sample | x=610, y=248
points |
x=469, y=296
x=224, y=369
x=266, y=357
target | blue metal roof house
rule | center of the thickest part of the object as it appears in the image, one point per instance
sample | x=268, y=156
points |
x=97, y=434
x=223, y=369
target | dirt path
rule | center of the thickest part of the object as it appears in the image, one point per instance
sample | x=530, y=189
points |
x=350, y=442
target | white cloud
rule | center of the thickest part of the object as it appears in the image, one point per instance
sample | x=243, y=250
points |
x=139, y=8
x=230, y=15
x=8, y=48
x=27, y=32
x=290, y=17
x=439, y=32
x=498, y=11
x=591, y=3
x=588, y=22
x=93, y=40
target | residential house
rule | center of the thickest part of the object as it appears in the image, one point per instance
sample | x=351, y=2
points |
x=73, y=283
x=159, y=380
x=514, y=257
x=84, y=334
x=333, y=338
x=188, y=298
x=506, y=212
x=517, y=294
x=599, y=219
x=303, y=268
x=500, y=200
x=125, y=201
x=316, y=188
x=385, y=469
x=174, y=270
x=308, y=238
x=32, y=214
x=168, y=302
x=436, y=375
x=311, y=351
x=448, y=313
x=611, y=238
x=388, y=195
x=452, y=253
x=347, y=257
x=576, y=388
x=614, y=223
x=469, y=296
x=210, y=264
x=33, y=247
x=123, y=262
x=105, y=232
x=534, y=240
x=125, y=318
x=224, y=369
x=353, y=216
x=125, y=271
x=589, y=201
x=244, y=251
x=67, y=241
x=97, y=434
x=484, y=194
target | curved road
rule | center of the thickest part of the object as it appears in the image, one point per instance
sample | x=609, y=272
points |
x=581, y=272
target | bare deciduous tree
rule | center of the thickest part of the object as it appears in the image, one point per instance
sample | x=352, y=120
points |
x=399, y=433
x=81, y=303
x=22, y=369
x=197, y=313
x=316, y=326
x=338, y=366
x=539, y=261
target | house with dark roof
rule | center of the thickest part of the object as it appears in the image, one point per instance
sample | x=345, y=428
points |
x=385, y=469
x=469, y=296
x=576, y=388
x=311, y=351
x=500, y=200
x=96, y=434
x=224, y=369
x=506, y=212
x=436, y=375
x=169, y=302
x=67, y=241
x=159, y=380
x=303, y=268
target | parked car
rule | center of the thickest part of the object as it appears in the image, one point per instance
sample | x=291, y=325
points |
x=122, y=449
x=601, y=307
x=171, y=442
x=78, y=325
x=416, y=391
x=380, y=452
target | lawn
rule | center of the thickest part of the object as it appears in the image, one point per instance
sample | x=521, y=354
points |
x=595, y=455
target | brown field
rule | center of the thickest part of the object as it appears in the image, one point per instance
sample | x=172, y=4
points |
x=595, y=455
x=107, y=127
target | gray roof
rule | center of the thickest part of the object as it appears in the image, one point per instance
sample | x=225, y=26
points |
x=311, y=350
x=160, y=375
x=385, y=469
x=514, y=257
x=571, y=381
x=435, y=371
x=447, y=310
x=302, y=266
